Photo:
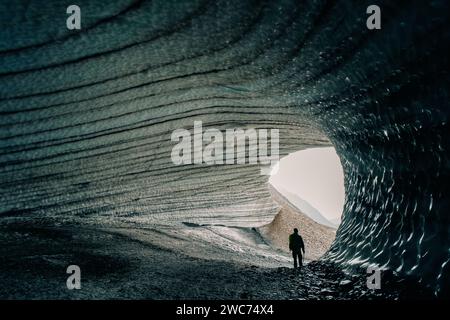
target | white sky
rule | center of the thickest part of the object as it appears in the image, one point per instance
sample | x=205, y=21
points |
x=316, y=176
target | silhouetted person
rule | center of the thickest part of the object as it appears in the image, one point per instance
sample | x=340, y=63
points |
x=297, y=246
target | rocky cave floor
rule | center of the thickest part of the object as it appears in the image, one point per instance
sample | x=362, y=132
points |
x=115, y=266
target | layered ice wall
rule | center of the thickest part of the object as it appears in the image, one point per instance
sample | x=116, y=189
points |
x=87, y=115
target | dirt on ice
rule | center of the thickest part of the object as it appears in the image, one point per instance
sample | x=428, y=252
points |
x=161, y=263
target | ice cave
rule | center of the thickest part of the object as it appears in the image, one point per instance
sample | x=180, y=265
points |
x=86, y=118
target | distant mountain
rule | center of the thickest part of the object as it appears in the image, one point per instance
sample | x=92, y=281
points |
x=305, y=207
x=317, y=237
x=336, y=221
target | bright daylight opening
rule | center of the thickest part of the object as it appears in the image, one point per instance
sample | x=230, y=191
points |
x=313, y=181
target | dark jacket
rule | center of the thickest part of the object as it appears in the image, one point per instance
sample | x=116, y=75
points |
x=296, y=243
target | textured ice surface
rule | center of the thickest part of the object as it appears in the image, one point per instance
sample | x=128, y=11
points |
x=86, y=116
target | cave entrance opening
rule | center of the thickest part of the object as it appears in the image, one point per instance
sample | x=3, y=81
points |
x=309, y=187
